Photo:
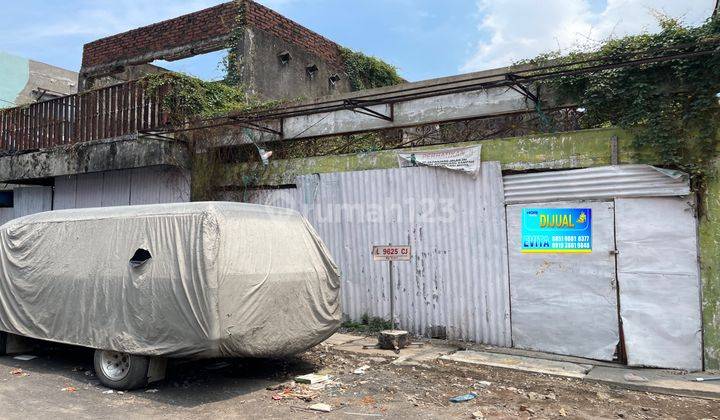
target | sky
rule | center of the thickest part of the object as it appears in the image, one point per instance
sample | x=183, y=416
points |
x=423, y=38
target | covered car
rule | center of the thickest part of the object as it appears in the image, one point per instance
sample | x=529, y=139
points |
x=201, y=280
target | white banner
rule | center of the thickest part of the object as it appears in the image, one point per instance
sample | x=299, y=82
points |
x=464, y=159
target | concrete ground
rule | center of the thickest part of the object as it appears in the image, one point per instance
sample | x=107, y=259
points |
x=665, y=381
x=364, y=383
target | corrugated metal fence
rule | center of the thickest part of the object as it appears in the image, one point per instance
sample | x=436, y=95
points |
x=456, y=283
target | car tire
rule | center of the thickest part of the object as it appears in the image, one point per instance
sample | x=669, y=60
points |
x=3, y=343
x=121, y=371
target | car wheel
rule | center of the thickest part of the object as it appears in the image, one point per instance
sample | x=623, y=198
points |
x=3, y=343
x=121, y=371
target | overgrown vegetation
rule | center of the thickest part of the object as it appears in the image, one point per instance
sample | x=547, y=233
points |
x=368, y=324
x=366, y=72
x=232, y=62
x=670, y=107
x=186, y=98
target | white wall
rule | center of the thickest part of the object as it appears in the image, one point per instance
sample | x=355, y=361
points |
x=150, y=185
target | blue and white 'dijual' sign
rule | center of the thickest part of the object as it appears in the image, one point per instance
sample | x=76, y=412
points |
x=556, y=230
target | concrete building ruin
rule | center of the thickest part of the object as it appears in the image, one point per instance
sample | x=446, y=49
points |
x=113, y=157
x=468, y=280
x=276, y=57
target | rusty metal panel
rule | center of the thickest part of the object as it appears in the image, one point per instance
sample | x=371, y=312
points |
x=456, y=282
x=599, y=183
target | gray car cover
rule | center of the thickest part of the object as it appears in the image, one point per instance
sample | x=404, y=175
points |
x=222, y=280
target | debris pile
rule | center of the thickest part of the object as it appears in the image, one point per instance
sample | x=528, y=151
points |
x=304, y=387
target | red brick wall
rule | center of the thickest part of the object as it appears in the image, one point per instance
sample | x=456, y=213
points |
x=203, y=26
x=260, y=17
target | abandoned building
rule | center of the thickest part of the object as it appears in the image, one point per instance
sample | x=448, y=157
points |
x=273, y=57
x=643, y=290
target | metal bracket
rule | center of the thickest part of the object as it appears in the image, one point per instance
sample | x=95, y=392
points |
x=257, y=126
x=42, y=93
x=517, y=87
x=356, y=106
x=150, y=134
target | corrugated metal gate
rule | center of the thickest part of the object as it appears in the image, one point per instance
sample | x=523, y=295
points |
x=30, y=200
x=27, y=200
x=655, y=257
x=148, y=185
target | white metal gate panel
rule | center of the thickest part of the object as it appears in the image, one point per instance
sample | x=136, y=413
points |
x=565, y=303
x=457, y=279
x=31, y=200
x=89, y=190
x=598, y=183
x=150, y=185
x=65, y=192
x=116, y=188
x=6, y=214
x=659, y=282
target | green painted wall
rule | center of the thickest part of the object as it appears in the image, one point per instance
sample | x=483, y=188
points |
x=574, y=149
x=709, y=231
x=14, y=76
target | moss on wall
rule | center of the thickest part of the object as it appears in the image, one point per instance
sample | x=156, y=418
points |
x=709, y=238
x=575, y=149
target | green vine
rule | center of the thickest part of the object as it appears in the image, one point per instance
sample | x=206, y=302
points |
x=232, y=62
x=670, y=107
x=367, y=72
x=364, y=72
x=186, y=98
